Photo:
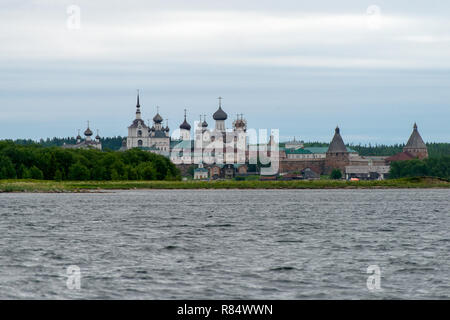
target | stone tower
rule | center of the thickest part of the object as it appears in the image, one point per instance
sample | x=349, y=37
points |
x=415, y=145
x=337, y=156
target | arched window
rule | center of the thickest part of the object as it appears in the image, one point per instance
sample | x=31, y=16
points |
x=139, y=133
x=140, y=143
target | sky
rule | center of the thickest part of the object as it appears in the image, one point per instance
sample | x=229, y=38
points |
x=303, y=67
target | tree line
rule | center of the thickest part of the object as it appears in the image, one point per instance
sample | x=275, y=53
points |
x=432, y=167
x=435, y=149
x=34, y=161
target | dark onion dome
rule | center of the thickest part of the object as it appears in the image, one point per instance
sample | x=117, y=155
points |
x=239, y=123
x=78, y=137
x=185, y=125
x=220, y=114
x=88, y=132
x=204, y=124
x=337, y=144
x=157, y=118
x=167, y=129
x=97, y=137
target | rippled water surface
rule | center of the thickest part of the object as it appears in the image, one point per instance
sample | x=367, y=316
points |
x=226, y=244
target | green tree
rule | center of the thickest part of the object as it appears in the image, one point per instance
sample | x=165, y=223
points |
x=336, y=174
x=36, y=173
x=78, y=172
x=115, y=175
x=7, y=170
x=58, y=175
x=147, y=171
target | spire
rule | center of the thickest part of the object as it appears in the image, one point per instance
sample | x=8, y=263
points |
x=337, y=144
x=415, y=141
x=137, y=103
x=138, y=106
x=220, y=101
x=167, y=125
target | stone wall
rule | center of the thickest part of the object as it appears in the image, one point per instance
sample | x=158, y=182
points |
x=419, y=153
x=336, y=161
x=317, y=165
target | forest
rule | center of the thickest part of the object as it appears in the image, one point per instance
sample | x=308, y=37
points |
x=114, y=143
x=27, y=159
x=431, y=167
x=34, y=161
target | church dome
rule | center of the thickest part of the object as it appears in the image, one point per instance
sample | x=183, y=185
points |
x=185, y=125
x=204, y=124
x=88, y=132
x=157, y=118
x=220, y=114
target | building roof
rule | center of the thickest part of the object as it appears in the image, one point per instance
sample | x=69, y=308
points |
x=324, y=149
x=157, y=118
x=220, y=114
x=297, y=151
x=137, y=122
x=159, y=134
x=200, y=170
x=367, y=169
x=185, y=125
x=337, y=144
x=88, y=132
x=415, y=140
x=182, y=144
x=402, y=156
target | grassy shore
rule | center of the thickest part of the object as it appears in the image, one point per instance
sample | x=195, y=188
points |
x=89, y=186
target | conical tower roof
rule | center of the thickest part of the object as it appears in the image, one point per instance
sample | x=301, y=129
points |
x=337, y=144
x=415, y=140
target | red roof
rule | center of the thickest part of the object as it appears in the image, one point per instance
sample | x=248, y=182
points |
x=402, y=156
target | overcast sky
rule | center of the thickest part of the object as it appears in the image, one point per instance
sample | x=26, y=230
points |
x=373, y=68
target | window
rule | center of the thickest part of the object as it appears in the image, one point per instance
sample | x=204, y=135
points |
x=139, y=133
x=140, y=143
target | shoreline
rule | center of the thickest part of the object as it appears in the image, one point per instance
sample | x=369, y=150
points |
x=45, y=186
